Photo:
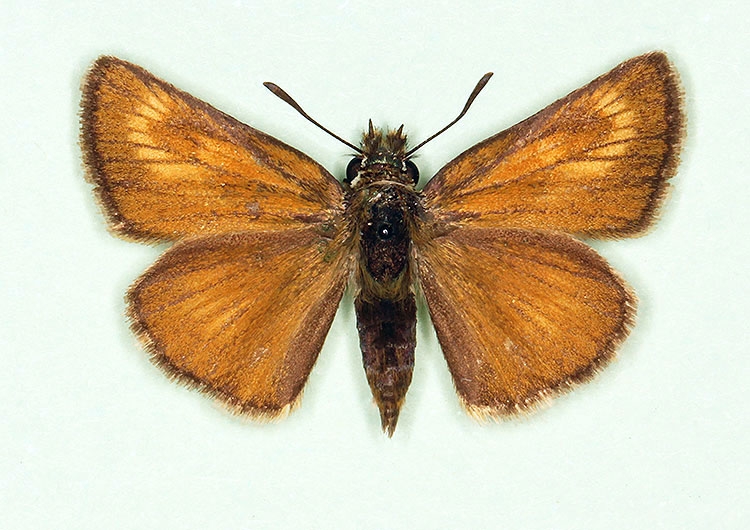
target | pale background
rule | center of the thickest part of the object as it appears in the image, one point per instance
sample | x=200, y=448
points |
x=93, y=436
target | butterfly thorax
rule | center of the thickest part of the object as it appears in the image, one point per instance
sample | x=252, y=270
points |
x=384, y=205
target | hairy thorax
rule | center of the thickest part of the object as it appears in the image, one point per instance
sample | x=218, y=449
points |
x=386, y=214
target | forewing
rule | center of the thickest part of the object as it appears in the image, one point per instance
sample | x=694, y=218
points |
x=242, y=316
x=167, y=165
x=594, y=163
x=521, y=315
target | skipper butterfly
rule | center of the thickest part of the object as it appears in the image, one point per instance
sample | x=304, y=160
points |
x=266, y=240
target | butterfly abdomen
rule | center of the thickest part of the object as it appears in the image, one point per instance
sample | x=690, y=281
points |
x=387, y=337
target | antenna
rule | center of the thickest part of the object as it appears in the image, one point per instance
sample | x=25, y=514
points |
x=474, y=93
x=278, y=92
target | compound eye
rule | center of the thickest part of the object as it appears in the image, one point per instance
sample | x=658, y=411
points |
x=412, y=171
x=352, y=169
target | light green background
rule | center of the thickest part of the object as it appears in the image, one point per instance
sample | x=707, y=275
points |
x=93, y=436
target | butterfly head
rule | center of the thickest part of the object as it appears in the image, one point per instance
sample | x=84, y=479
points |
x=383, y=157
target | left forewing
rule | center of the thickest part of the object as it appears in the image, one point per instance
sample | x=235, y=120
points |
x=169, y=166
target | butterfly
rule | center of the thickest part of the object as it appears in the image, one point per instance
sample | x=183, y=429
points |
x=265, y=240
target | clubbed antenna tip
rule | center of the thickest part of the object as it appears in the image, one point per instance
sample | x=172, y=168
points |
x=474, y=93
x=282, y=95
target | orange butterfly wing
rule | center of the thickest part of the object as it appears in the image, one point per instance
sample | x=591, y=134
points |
x=242, y=316
x=522, y=310
x=241, y=305
x=521, y=315
x=594, y=163
x=167, y=165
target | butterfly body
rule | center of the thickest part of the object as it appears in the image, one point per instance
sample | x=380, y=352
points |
x=385, y=208
x=265, y=240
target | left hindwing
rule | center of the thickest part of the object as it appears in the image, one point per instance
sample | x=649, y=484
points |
x=242, y=316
